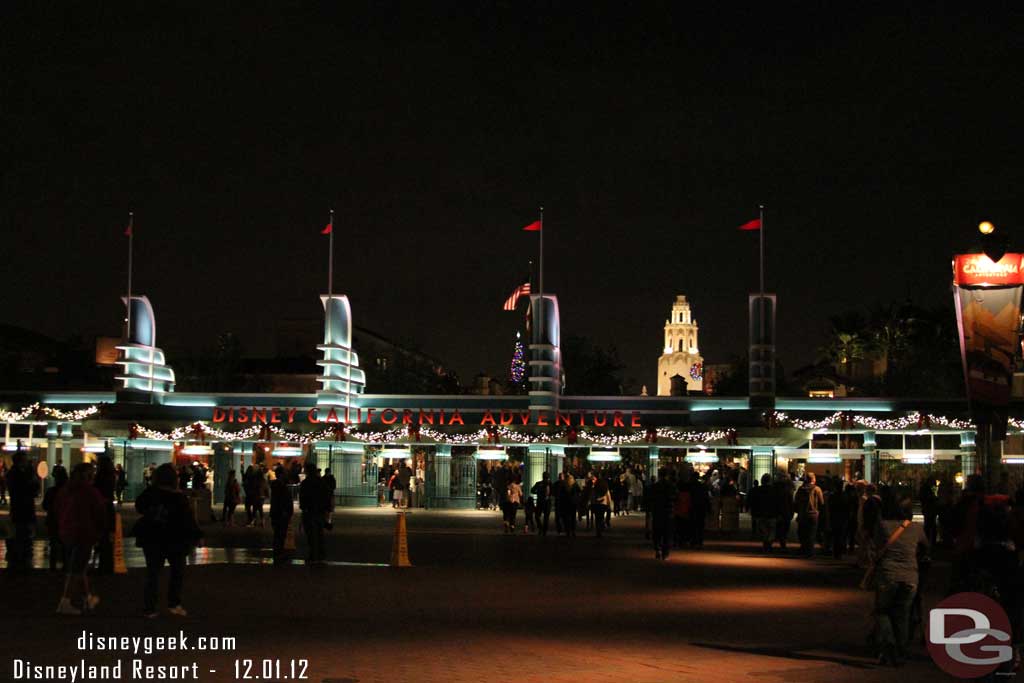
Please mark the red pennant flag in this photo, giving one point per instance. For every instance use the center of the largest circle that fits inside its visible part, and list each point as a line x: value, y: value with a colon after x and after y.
x: 328, y: 229
x: 533, y: 227
x: 752, y: 225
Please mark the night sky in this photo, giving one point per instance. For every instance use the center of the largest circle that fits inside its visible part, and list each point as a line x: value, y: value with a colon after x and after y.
x: 877, y: 142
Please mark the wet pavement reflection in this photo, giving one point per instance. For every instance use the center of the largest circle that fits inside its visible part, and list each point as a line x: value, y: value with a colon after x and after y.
x: 135, y: 559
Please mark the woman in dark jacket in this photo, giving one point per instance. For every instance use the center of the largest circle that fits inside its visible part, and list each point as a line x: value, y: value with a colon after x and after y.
x: 81, y: 523
x: 166, y: 532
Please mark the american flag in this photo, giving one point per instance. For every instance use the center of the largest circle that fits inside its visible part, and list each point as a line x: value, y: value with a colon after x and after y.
x: 513, y: 299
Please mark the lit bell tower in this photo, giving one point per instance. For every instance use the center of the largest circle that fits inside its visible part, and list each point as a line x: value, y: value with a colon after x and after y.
x: 680, y: 354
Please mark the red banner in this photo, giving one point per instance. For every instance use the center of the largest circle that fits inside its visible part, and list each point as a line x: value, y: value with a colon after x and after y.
x: 973, y: 270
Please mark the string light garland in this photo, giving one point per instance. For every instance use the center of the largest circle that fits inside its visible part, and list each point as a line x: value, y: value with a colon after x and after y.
x: 36, y: 408
x: 896, y: 423
x: 396, y: 434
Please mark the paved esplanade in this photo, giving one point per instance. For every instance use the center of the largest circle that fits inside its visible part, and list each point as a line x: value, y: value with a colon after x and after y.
x: 482, y: 606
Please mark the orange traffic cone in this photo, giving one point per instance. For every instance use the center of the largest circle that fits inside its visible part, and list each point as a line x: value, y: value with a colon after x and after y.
x: 400, y: 545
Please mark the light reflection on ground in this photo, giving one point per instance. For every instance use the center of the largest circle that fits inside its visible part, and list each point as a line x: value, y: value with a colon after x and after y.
x: 134, y: 558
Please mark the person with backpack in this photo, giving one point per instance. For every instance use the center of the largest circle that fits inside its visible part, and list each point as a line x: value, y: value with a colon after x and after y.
x: 81, y: 511
x: 808, y: 503
x: 166, y: 531
x: 543, y: 490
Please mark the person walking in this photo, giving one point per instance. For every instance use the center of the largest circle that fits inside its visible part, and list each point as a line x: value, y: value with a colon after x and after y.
x: 82, y: 522
x: 784, y: 492
x: 765, y: 508
x: 729, y: 504
x: 166, y: 531
x: 232, y: 494
x: 560, y: 492
x: 895, y: 574
x: 121, y: 483
x: 281, y: 510
x: 261, y: 488
x: 839, y: 516
x: 808, y: 503
x: 405, y: 477
x: 700, y: 503
x: 512, y: 500
x: 106, y: 483
x: 249, y: 488
x: 542, y: 509
x: 23, y: 487
x: 600, y: 503
x: 3, y: 483
x: 313, y: 503
x: 567, y: 505
x: 60, y: 479
x: 330, y: 484
x: 662, y: 498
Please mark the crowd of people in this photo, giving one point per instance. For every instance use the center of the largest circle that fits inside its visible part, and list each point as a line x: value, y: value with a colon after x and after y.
x: 870, y: 525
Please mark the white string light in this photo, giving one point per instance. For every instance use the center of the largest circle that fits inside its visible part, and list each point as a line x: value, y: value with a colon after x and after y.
x: 63, y: 415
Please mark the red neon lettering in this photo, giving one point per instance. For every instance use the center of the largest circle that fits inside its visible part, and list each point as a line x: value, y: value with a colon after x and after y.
x: 332, y: 415
x: 603, y: 419
x: 427, y: 418
x: 369, y: 415
x: 243, y: 415
x: 407, y: 417
x: 384, y: 416
x: 617, y: 420
x: 456, y: 417
x: 218, y: 415
x: 275, y: 415
x: 259, y: 414
x: 291, y: 415
x: 311, y: 416
x: 506, y: 418
x: 488, y: 418
x: 542, y: 421
x: 635, y: 420
x: 561, y: 418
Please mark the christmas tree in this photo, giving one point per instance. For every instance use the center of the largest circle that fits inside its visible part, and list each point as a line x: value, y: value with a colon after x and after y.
x: 517, y: 371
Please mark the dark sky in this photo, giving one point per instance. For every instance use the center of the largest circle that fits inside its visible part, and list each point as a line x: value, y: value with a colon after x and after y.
x: 876, y: 140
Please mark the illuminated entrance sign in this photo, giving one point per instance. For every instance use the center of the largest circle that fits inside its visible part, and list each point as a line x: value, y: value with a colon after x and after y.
x: 441, y: 417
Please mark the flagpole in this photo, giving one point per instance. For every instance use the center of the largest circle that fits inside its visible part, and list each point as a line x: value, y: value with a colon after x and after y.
x: 540, y: 281
x: 330, y: 258
x: 761, y: 240
x: 128, y: 319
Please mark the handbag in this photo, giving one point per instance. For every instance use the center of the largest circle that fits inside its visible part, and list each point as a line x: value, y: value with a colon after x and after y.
x: 867, y: 582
